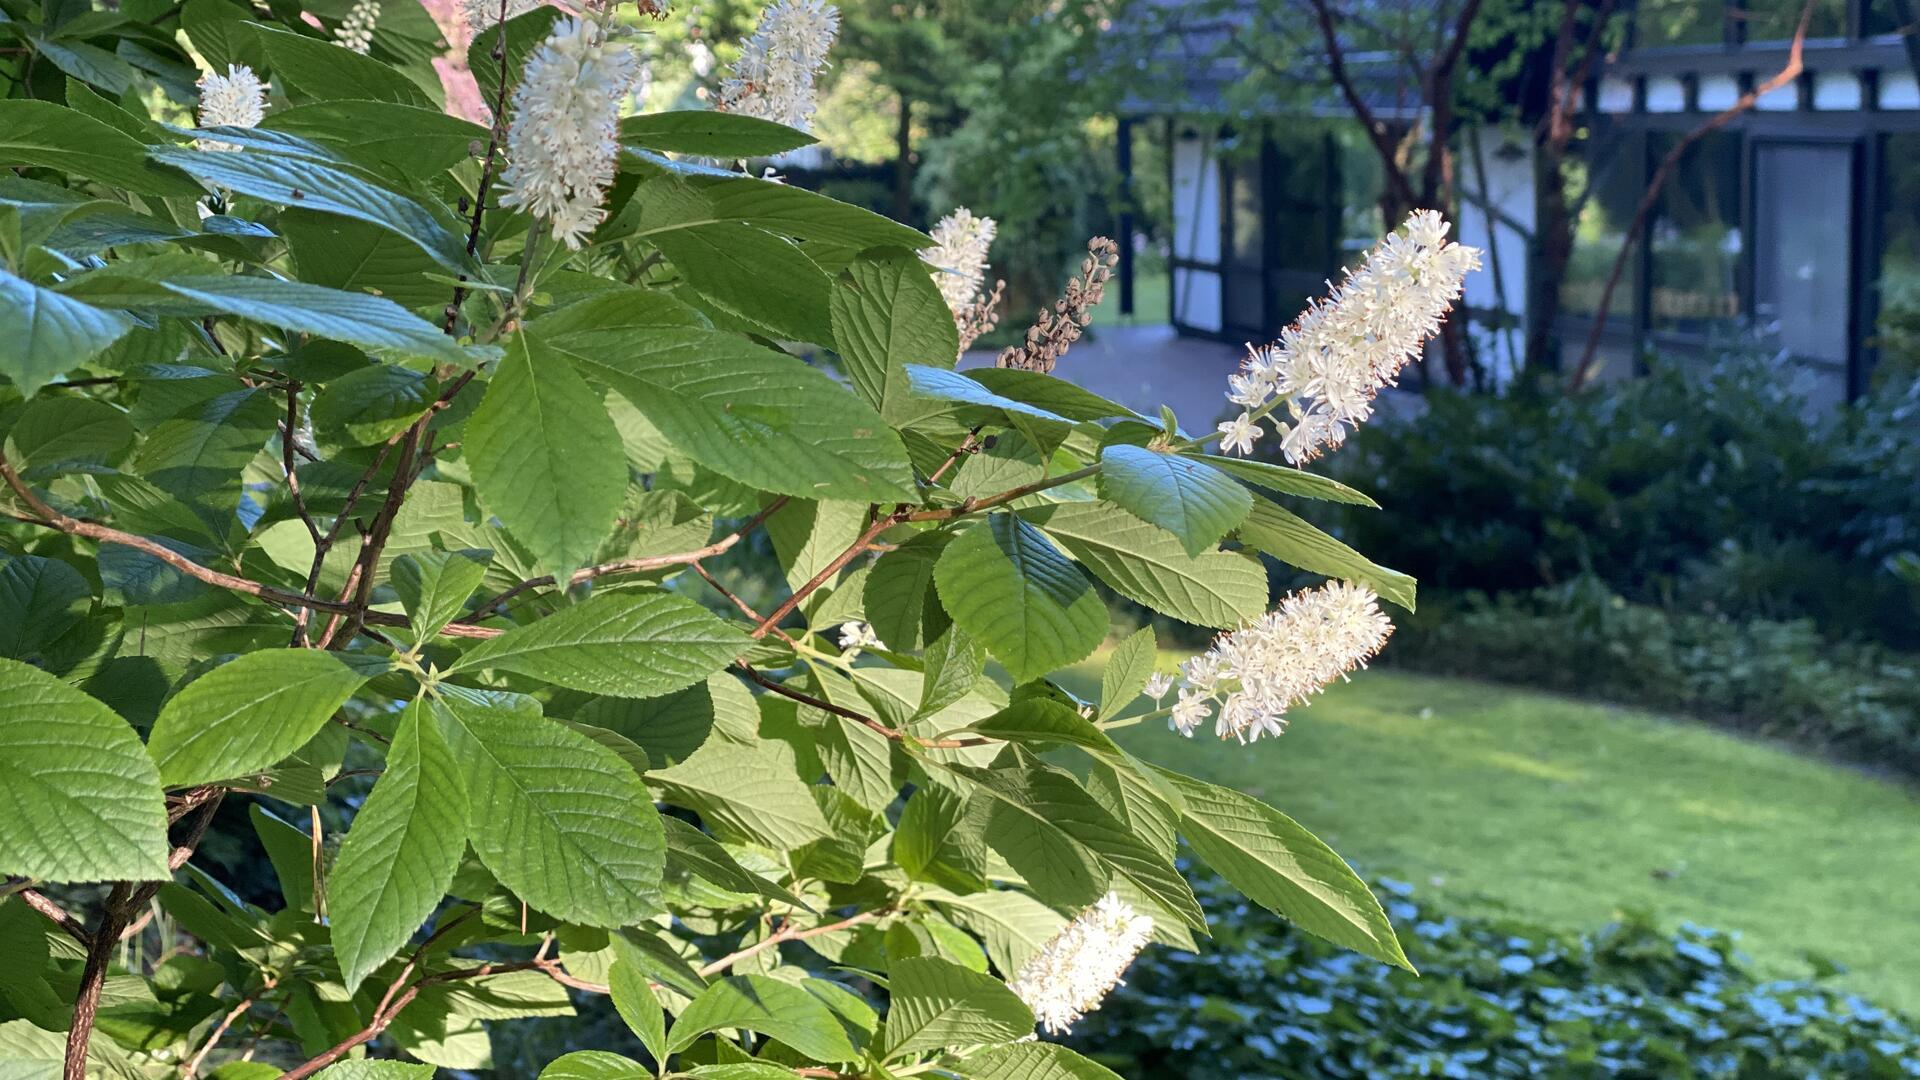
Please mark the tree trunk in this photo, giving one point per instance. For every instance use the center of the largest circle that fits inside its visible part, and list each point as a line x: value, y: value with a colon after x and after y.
x: 1549, y: 254
x: 903, y: 162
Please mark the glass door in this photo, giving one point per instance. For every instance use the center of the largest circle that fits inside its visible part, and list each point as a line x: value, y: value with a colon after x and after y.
x: 1803, y: 251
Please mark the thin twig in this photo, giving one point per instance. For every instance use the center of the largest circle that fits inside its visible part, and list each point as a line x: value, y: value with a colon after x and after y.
x: 787, y: 933
x: 57, y: 915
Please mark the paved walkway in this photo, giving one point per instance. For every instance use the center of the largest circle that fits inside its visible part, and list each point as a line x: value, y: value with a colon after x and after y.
x: 1143, y: 367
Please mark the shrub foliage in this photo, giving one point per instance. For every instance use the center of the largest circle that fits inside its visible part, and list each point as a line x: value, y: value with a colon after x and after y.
x: 334, y: 486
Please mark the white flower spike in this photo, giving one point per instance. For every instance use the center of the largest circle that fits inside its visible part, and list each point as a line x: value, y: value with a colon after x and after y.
x: 1327, y: 367
x: 774, y: 77
x: 1258, y: 672
x: 1074, y: 972
x: 356, y: 30
x: 959, y: 252
x: 236, y: 99
x: 563, y: 144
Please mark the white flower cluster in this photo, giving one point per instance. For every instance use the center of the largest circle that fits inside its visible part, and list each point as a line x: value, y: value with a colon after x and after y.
x: 480, y: 14
x: 236, y: 99
x: 1328, y: 366
x: 858, y: 635
x: 1258, y: 672
x: 959, y: 253
x: 563, y: 144
x: 773, y: 79
x: 1074, y: 971
x: 356, y: 30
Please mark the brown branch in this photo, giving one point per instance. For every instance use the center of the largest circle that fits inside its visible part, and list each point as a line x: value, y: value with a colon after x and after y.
x: 1658, y: 183
x: 57, y: 915
x: 86, y: 1004
x: 1343, y: 79
x: 826, y: 573
x: 786, y: 933
x: 633, y: 566
x: 193, y: 1064
x: 496, y: 132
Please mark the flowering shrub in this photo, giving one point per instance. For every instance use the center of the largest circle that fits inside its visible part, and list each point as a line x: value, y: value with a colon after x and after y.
x: 361, y: 463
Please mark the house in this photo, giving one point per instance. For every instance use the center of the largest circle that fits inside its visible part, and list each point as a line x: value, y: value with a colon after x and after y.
x: 1794, y: 229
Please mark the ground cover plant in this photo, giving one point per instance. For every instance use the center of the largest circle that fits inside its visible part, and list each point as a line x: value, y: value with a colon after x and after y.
x: 361, y: 464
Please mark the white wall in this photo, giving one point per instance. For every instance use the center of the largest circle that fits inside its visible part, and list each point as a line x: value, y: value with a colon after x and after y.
x: 1496, y: 216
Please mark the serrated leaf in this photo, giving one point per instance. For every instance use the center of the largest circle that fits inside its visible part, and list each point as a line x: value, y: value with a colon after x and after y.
x: 712, y: 134
x: 633, y: 999
x: 761, y: 417
x: 1194, y: 502
x: 1036, y: 1061
x: 899, y: 596
x: 1284, y: 868
x: 1012, y: 591
x: 559, y: 819
x: 641, y: 643
x: 954, y: 666
x: 1128, y: 669
x: 252, y: 712
x: 546, y: 457
x: 759, y: 278
x: 888, y: 313
x: 779, y: 1010
x: 53, y: 435
x: 370, y: 405
x: 777, y: 208
x: 1288, y: 481
x: 48, y: 334
x: 747, y: 791
x: 40, y: 599
x: 594, y: 1065
x: 401, y: 851
x: 942, y: 392
x: 376, y: 1070
x: 807, y: 536
x: 292, y: 854
x: 80, y: 800
x: 1011, y: 925
x: 691, y: 851
x: 313, y: 185
x: 1049, y: 392
x: 354, y: 255
x: 46, y: 134
x: 937, y: 1004
x: 1146, y: 564
x: 198, y: 454
x: 417, y: 140
x: 1288, y: 537
x: 308, y: 69
x: 940, y: 839
x: 372, y: 322
x: 434, y: 586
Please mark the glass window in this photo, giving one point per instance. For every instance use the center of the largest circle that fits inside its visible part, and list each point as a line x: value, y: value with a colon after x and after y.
x: 1775, y: 20
x: 1803, y: 247
x: 1694, y: 239
x: 1679, y: 22
x: 1613, y: 167
x: 1880, y: 17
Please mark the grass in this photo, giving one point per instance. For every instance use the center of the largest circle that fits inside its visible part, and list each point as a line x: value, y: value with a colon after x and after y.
x: 1567, y: 813
x: 1149, y: 302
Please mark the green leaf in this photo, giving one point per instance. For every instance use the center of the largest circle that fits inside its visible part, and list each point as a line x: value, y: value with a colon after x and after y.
x: 1127, y: 672
x: 198, y: 454
x: 48, y: 334
x: 691, y: 851
x: 1284, y: 868
x: 434, y: 586
x: 558, y: 818
x: 43, y: 133
x: 309, y: 69
x: 416, y: 140
x: 55, y: 435
x: 758, y: 416
x: 399, y: 856
x: 807, y: 536
x: 901, y: 602
x: 546, y: 457
x: 40, y: 599
x: 80, y: 799
x: 314, y: 185
x: 1049, y: 392
x: 594, y: 1065
x: 248, y: 714
x: 372, y: 322
x: 1146, y: 564
x: 954, y: 666
x: 1288, y: 537
x: 939, y: 839
x: 1011, y: 925
x: 641, y: 643
x: 353, y: 255
x: 1288, y: 481
x: 633, y: 999
x: 1035, y: 1061
x: 747, y: 791
x: 1198, y: 504
x: 937, y: 1004
x: 859, y: 760
x: 775, y: 208
x: 712, y: 134
x: 778, y: 1010
x: 521, y: 35
x: 370, y: 405
x: 757, y: 277
x: 887, y: 313
x: 220, y: 33
x: 291, y: 852
x: 1012, y: 590
x: 941, y: 392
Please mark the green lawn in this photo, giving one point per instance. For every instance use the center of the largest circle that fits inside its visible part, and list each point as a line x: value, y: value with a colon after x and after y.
x: 1149, y: 302
x: 1567, y: 812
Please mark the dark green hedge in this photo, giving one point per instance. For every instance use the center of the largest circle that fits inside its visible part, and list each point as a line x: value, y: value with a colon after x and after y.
x: 1496, y: 998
